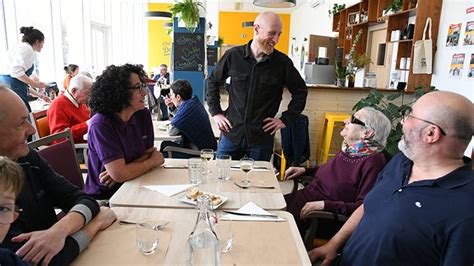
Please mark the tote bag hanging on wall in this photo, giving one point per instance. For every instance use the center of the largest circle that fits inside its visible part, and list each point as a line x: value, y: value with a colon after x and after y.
x: 423, y: 53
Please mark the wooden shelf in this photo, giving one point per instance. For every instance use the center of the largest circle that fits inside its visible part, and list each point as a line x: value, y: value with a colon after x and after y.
x: 409, y: 12
x: 406, y: 40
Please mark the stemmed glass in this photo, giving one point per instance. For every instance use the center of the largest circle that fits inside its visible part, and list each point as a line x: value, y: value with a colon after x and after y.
x: 207, y: 155
x: 246, y: 165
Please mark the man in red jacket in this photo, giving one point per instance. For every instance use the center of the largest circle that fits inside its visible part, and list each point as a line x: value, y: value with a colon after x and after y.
x: 70, y: 110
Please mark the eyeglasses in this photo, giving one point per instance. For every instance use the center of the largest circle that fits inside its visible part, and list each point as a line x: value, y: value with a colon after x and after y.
x: 426, y: 121
x: 141, y: 87
x: 356, y: 121
x: 7, y: 213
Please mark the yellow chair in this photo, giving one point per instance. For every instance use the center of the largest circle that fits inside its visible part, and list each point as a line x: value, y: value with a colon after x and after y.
x: 330, y: 119
x: 40, y: 123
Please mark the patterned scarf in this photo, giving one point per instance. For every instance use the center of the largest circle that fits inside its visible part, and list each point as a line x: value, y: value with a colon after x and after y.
x: 361, y: 148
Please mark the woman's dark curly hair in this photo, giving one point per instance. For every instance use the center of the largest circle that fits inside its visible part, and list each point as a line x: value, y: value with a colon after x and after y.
x: 111, y: 92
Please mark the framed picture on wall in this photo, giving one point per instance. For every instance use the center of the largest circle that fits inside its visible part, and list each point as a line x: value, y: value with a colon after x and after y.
x: 353, y: 18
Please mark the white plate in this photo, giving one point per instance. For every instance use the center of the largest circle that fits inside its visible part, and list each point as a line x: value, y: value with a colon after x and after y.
x: 194, y: 202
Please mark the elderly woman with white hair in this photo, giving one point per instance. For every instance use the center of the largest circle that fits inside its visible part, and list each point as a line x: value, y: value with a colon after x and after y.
x: 341, y: 184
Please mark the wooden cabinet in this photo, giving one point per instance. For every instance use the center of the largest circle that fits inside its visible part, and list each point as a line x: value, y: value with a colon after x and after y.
x: 368, y: 13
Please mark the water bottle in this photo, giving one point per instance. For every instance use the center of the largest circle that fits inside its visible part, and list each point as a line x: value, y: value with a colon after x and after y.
x: 203, y: 244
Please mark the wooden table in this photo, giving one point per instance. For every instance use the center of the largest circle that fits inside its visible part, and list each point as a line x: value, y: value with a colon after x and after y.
x: 255, y: 243
x: 132, y: 193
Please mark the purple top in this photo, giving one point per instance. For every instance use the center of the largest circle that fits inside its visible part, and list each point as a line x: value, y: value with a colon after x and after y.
x: 109, y: 139
x: 344, y: 181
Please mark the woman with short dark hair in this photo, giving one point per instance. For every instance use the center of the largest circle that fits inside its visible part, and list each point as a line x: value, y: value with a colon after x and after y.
x: 19, y: 65
x: 120, y: 136
x: 71, y: 71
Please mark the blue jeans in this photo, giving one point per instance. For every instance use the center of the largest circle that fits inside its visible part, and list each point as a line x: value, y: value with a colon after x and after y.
x: 258, y: 152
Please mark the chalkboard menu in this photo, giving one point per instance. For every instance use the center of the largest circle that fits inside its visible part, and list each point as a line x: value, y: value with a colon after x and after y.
x: 211, y: 56
x: 188, y: 51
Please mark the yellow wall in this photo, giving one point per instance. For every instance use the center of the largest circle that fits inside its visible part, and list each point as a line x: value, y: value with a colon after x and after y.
x: 159, y: 42
x: 230, y: 29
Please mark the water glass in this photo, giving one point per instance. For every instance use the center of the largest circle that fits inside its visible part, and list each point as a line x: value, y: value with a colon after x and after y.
x: 146, y: 238
x: 195, y: 169
x: 223, y: 167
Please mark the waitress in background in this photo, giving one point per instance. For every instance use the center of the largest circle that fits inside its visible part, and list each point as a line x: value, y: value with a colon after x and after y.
x: 17, y: 68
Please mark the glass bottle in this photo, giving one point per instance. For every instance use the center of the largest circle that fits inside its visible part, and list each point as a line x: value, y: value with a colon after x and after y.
x: 370, y: 80
x: 203, y: 244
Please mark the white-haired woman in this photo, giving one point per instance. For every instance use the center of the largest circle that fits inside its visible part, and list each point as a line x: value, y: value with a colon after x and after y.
x: 341, y: 184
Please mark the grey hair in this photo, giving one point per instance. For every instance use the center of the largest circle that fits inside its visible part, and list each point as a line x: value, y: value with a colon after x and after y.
x: 79, y: 81
x: 377, y: 121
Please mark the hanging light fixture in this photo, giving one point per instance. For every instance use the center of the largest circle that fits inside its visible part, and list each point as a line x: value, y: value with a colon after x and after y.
x: 275, y: 3
x: 247, y: 24
x: 158, y: 15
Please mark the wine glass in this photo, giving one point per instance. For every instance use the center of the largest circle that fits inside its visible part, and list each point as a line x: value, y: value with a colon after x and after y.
x: 207, y: 155
x: 246, y: 165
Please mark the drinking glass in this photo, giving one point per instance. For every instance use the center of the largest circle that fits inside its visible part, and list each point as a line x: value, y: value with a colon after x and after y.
x: 146, y: 237
x: 195, y: 168
x: 223, y: 166
x: 207, y: 155
x: 246, y: 165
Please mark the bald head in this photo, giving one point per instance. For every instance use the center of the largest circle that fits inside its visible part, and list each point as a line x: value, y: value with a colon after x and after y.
x: 267, y: 30
x: 452, y: 111
x: 267, y: 18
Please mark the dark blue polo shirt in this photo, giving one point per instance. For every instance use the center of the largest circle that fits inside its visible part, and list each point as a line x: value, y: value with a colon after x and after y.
x: 429, y: 222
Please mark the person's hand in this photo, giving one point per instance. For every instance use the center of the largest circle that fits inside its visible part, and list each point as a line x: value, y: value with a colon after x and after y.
x: 168, y: 101
x: 156, y: 158
x: 40, y: 245
x: 272, y: 125
x: 106, y: 179
x: 311, y: 206
x: 293, y: 172
x: 105, y: 217
x: 45, y: 98
x: 327, y: 253
x: 222, y: 123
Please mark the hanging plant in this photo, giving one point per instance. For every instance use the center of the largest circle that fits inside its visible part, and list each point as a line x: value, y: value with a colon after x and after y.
x: 188, y: 12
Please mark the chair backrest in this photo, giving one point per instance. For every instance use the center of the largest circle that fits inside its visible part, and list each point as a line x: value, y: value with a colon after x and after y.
x: 61, y: 156
x: 40, y: 123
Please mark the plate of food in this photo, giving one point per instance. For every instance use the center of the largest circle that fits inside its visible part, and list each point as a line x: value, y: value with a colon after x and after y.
x: 194, y: 193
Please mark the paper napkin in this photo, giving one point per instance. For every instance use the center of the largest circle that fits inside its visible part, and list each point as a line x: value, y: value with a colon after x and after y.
x: 252, y: 208
x: 170, y: 190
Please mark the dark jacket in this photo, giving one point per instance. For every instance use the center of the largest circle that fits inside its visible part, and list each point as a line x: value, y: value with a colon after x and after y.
x: 255, y: 92
x: 42, y: 191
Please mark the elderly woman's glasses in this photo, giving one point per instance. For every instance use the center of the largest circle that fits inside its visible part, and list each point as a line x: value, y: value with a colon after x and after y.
x: 142, y: 87
x: 356, y: 121
x: 7, y: 213
x: 426, y: 121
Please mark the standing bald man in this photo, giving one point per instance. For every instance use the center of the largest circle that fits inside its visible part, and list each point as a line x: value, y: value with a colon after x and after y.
x: 258, y: 74
x: 420, y: 211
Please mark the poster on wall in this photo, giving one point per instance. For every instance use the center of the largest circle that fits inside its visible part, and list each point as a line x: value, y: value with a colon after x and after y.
x: 457, y: 63
x: 454, y: 32
x: 469, y: 38
x: 470, y: 73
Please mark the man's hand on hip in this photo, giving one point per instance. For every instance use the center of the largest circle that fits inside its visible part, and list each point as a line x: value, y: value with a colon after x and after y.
x: 222, y: 122
x: 272, y: 125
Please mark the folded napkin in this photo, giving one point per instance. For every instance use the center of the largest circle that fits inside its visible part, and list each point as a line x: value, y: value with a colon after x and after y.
x: 170, y: 190
x: 251, y: 208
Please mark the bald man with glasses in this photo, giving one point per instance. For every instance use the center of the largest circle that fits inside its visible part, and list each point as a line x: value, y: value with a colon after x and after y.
x: 420, y: 211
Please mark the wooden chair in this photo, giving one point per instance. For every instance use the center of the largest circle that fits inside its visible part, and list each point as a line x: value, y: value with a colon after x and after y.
x: 61, y: 156
x: 39, y: 121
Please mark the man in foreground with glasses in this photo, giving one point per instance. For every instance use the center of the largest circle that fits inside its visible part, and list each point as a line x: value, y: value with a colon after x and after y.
x: 121, y: 136
x: 420, y: 211
x: 37, y: 236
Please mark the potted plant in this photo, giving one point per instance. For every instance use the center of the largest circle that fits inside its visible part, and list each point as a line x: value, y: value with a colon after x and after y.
x: 394, y: 112
x: 188, y: 12
x: 335, y: 9
x: 352, y: 64
x: 340, y: 75
x: 394, y: 7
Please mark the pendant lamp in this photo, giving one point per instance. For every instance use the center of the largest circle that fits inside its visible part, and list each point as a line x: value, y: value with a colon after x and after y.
x: 275, y: 3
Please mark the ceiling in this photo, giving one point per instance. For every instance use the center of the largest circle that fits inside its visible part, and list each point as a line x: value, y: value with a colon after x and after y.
x: 248, y: 6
